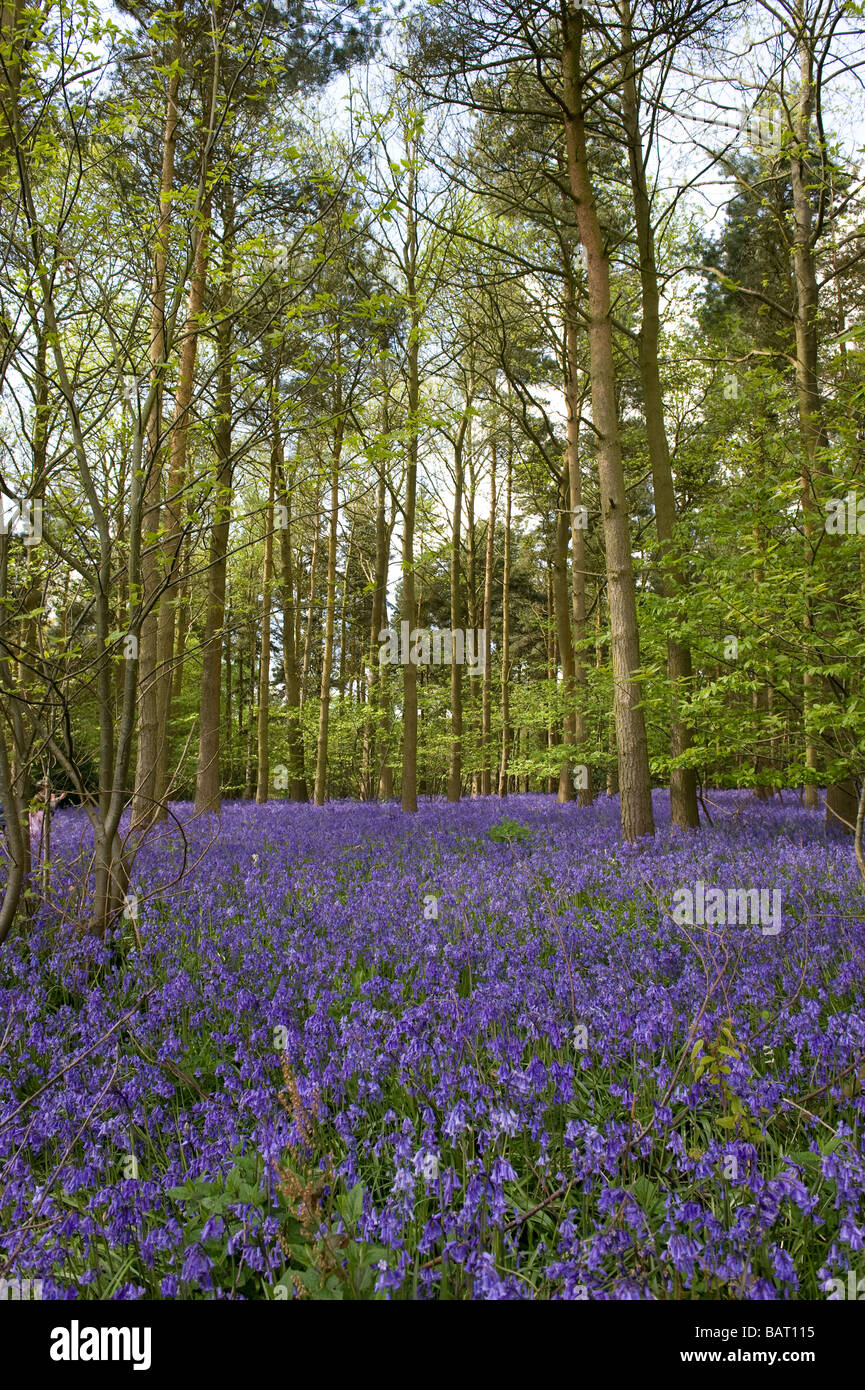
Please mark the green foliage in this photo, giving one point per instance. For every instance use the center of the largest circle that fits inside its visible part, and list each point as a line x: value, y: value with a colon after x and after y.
x: 324, y: 1260
x: 509, y: 832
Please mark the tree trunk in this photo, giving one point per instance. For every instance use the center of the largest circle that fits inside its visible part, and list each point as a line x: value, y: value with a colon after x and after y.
x: 172, y: 544
x: 145, y: 797
x: 841, y: 798
x: 631, y: 741
x: 207, y: 783
x: 455, y: 768
x: 585, y: 793
x: 294, y: 729
x: 310, y: 612
x: 13, y: 805
x: 409, y: 740
x: 506, y: 632
x: 330, y: 611
x: 486, y: 772
x: 262, y: 790
x: 683, y: 780
x: 375, y: 687
x: 562, y: 608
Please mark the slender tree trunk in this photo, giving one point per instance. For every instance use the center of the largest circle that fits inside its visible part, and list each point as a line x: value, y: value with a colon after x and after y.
x: 172, y: 545
x: 562, y: 607
x: 409, y: 741
x: 229, y: 698
x: 13, y: 34
x: 375, y: 688
x: 310, y: 612
x: 841, y: 798
x: 471, y: 603
x: 547, y: 739
x: 181, y: 625
x: 13, y: 805
x: 385, y: 769
x: 506, y: 630
x: 585, y: 794
x: 631, y: 740
x: 262, y: 790
x: 208, y: 795
x: 683, y: 780
x: 455, y: 769
x: 249, y: 778
x: 145, y: 797
x: 486, y: 773
x: 330, y: 612
x: 294, y: 730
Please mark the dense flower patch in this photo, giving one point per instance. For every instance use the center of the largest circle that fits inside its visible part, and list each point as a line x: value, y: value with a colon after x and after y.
x: 362, y: 1054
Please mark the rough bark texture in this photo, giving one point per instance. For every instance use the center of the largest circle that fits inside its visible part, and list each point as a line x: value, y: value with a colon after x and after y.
x: 841, y: 798
x: 506, y: 631
x: 144, y: 801
x: 683, y: 780
x: 585, y: 795
x: 330, y: 609
x: 262, y: 787
x: 631, y: 742
x: 294, y: 733
x: 562, y: 606
x: 486, y: 772
x: 172, y: 542
x: 207, y: 782
x: 455, y: 766
x: 409, y: 715
x: 371, y: 773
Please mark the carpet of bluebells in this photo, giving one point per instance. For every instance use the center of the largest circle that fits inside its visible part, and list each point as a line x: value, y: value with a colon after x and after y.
x: 342, y: 1052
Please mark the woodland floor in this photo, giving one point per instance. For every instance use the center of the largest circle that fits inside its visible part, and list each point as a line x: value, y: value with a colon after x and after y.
x: 463, y: 1054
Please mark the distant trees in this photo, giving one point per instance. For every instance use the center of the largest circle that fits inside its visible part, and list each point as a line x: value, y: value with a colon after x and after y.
x: 454, y: 349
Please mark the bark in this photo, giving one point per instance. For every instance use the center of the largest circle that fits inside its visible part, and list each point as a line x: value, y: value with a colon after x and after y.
x: 385, y: 766
x: 471, y: 603
x: 173, y: 526
x: 330, y: 609
x: 811, y: 426
x: 262, y: 790
x: 585, y: 795
x: 181, y: 626
x: 12, y: 39
x: 313, y: 567
x: 375, y: 689
x: 229, y: 699
x: 208, y: 796
x: 248, y: 780
x: 631, y: 741
x: 343, y: 645
x: 841, y: 798
x: 506, y: 630
x: 294, y: 731
x: 486, y: 772
x: 683, y: 780
x: 144, y: 801
x: 562, y: 607
x: 409, y: 743
x: 455, y: 767
x: 13, y: 805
